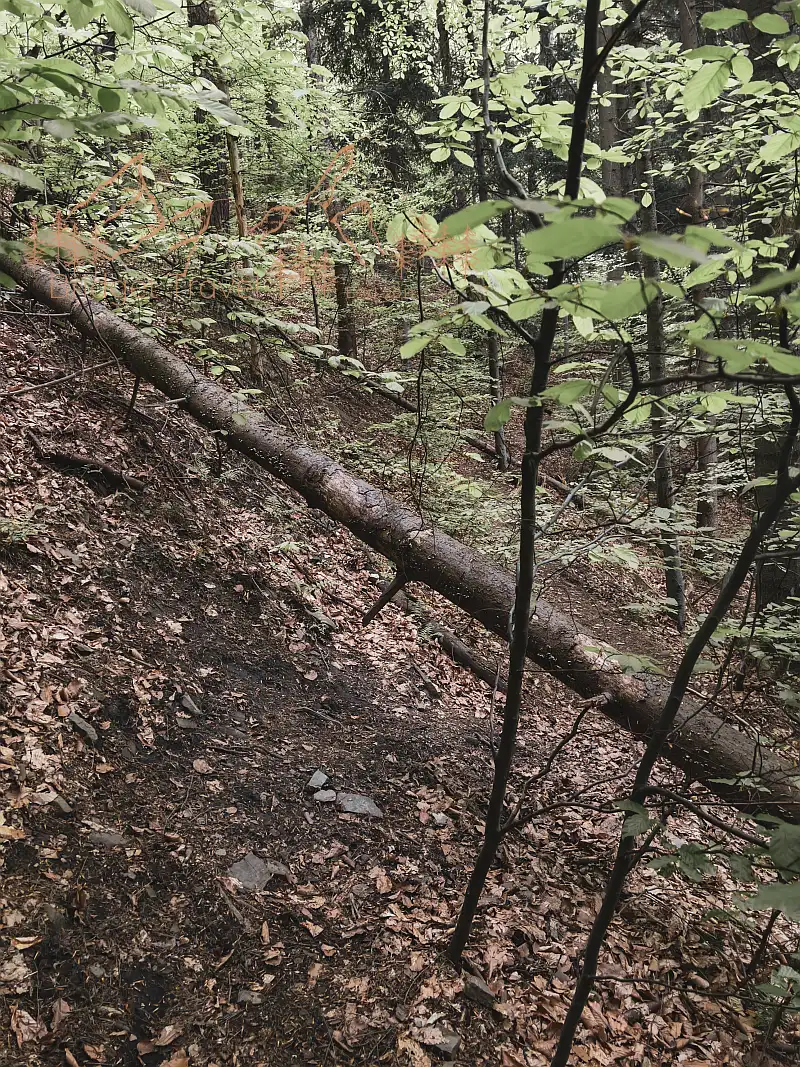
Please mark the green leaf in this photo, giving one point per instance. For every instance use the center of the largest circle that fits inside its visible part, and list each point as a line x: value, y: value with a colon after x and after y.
x: 639, y: 822
x: 704, y: 87
x: 570, y: 239
x: 470, y: 217
x: 416, y: 344
x: 776, y: 896
x: 109, y: 99
x: 618, y: 302
x: 568, y: 392
x: 706, y: 272
x: 723, y: 19
x: 118, y: 18
x: 21, y: 177
x: 144, y: 7
x: 737, y: 355
x: 7, y: 281
x: 776, y: 280
x: 742, y: 68
x: 63, y: 129
x: 784, y: 848
x: 783, y: 362
x: 452, y: 344
x: 462, y: 157
x: 779, y: 146
x: 497, y: 416
x: 218, y: 107
x: 440, y: 154
x: 769, y: 23
x: 671, y: 250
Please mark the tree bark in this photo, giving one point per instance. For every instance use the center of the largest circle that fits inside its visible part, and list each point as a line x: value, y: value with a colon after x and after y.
x: 346, y: 326
x: 700, y: 742
x: 662, y: 460
x: 212, y: 141
x: 706, y: 447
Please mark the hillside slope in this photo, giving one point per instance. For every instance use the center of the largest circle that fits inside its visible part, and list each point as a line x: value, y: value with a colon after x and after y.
x: 177, y: 665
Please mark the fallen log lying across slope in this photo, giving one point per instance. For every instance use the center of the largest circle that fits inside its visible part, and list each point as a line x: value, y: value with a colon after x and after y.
x: 711, y: 750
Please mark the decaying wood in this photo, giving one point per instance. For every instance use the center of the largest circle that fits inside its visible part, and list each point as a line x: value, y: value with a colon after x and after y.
x: 710, y: 749
x: 100, y: 475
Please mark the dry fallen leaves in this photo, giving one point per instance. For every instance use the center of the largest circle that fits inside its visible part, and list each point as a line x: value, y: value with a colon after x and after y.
x: 168, y: 1035
x: 26, y: 1028
x: 179, y: 1058
x: 60, y: 1009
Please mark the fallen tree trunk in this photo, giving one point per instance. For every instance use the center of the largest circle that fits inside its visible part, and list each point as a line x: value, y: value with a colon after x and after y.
x: 701, y: 743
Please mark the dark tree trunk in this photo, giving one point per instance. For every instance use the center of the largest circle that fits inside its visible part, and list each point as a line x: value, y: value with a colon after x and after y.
x: 212, y: 147
x: 662, y: 461
x: 346, y: 327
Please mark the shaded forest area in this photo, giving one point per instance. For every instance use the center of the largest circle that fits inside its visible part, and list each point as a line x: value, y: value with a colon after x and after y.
x: 399, y: 533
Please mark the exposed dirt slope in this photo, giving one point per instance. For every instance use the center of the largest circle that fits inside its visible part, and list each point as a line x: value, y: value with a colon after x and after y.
x: 127, y: 941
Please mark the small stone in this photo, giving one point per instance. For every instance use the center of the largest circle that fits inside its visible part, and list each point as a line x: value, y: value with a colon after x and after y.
x: 107, y: 838
x: 183, y: 722
x: 247, y: 996
x: 440, y: 818
x: 56, y: 917
x: 81, y: 724
x: 254, y: 873
x: 325, y: 796
x: 356, y: 804
x: 442, y: 1038
x: 476, y: 989
x: 61, y: 806
x: 189, y: 705
x: 318, y: 780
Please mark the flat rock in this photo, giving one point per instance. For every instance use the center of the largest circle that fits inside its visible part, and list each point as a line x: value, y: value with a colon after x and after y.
x: 442, y: 1038
x: 189, y: 705
x: 318, y: 780
x: 81, y: 724
x: 247, y: 996
x: 477, y: 990
x: 254, y: 873
x: 107, y: 838
x: 325, y: 796
x: 356, y: 804
x: 61, y: 806
x: 183, y: 722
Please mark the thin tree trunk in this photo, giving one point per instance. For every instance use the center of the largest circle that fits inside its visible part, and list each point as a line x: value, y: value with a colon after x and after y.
x: 526, y: 564
x: 492, y: 347
x: 700, y: 742
x: 662, y: 461
x: 706, y: 446
x: 346, y: 327
x: 212, y: 150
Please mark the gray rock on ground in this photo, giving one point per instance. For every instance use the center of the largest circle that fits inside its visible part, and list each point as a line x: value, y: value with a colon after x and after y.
x: 254, y: 873
x: 325, y: 796
x: 356, y: 804
x: 318, y: 780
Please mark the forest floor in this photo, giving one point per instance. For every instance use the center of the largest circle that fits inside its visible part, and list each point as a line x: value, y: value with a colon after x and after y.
x: 177, y: 666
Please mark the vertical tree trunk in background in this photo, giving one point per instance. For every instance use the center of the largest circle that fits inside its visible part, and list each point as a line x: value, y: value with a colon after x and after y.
x: 607, y: 121
x: 443, y: 37
x: 777, y: 576
x: 492, y: 348
x: 344, y: 313
x: 662, y: 461
x: 706, y: 446
x: 212, y: 149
